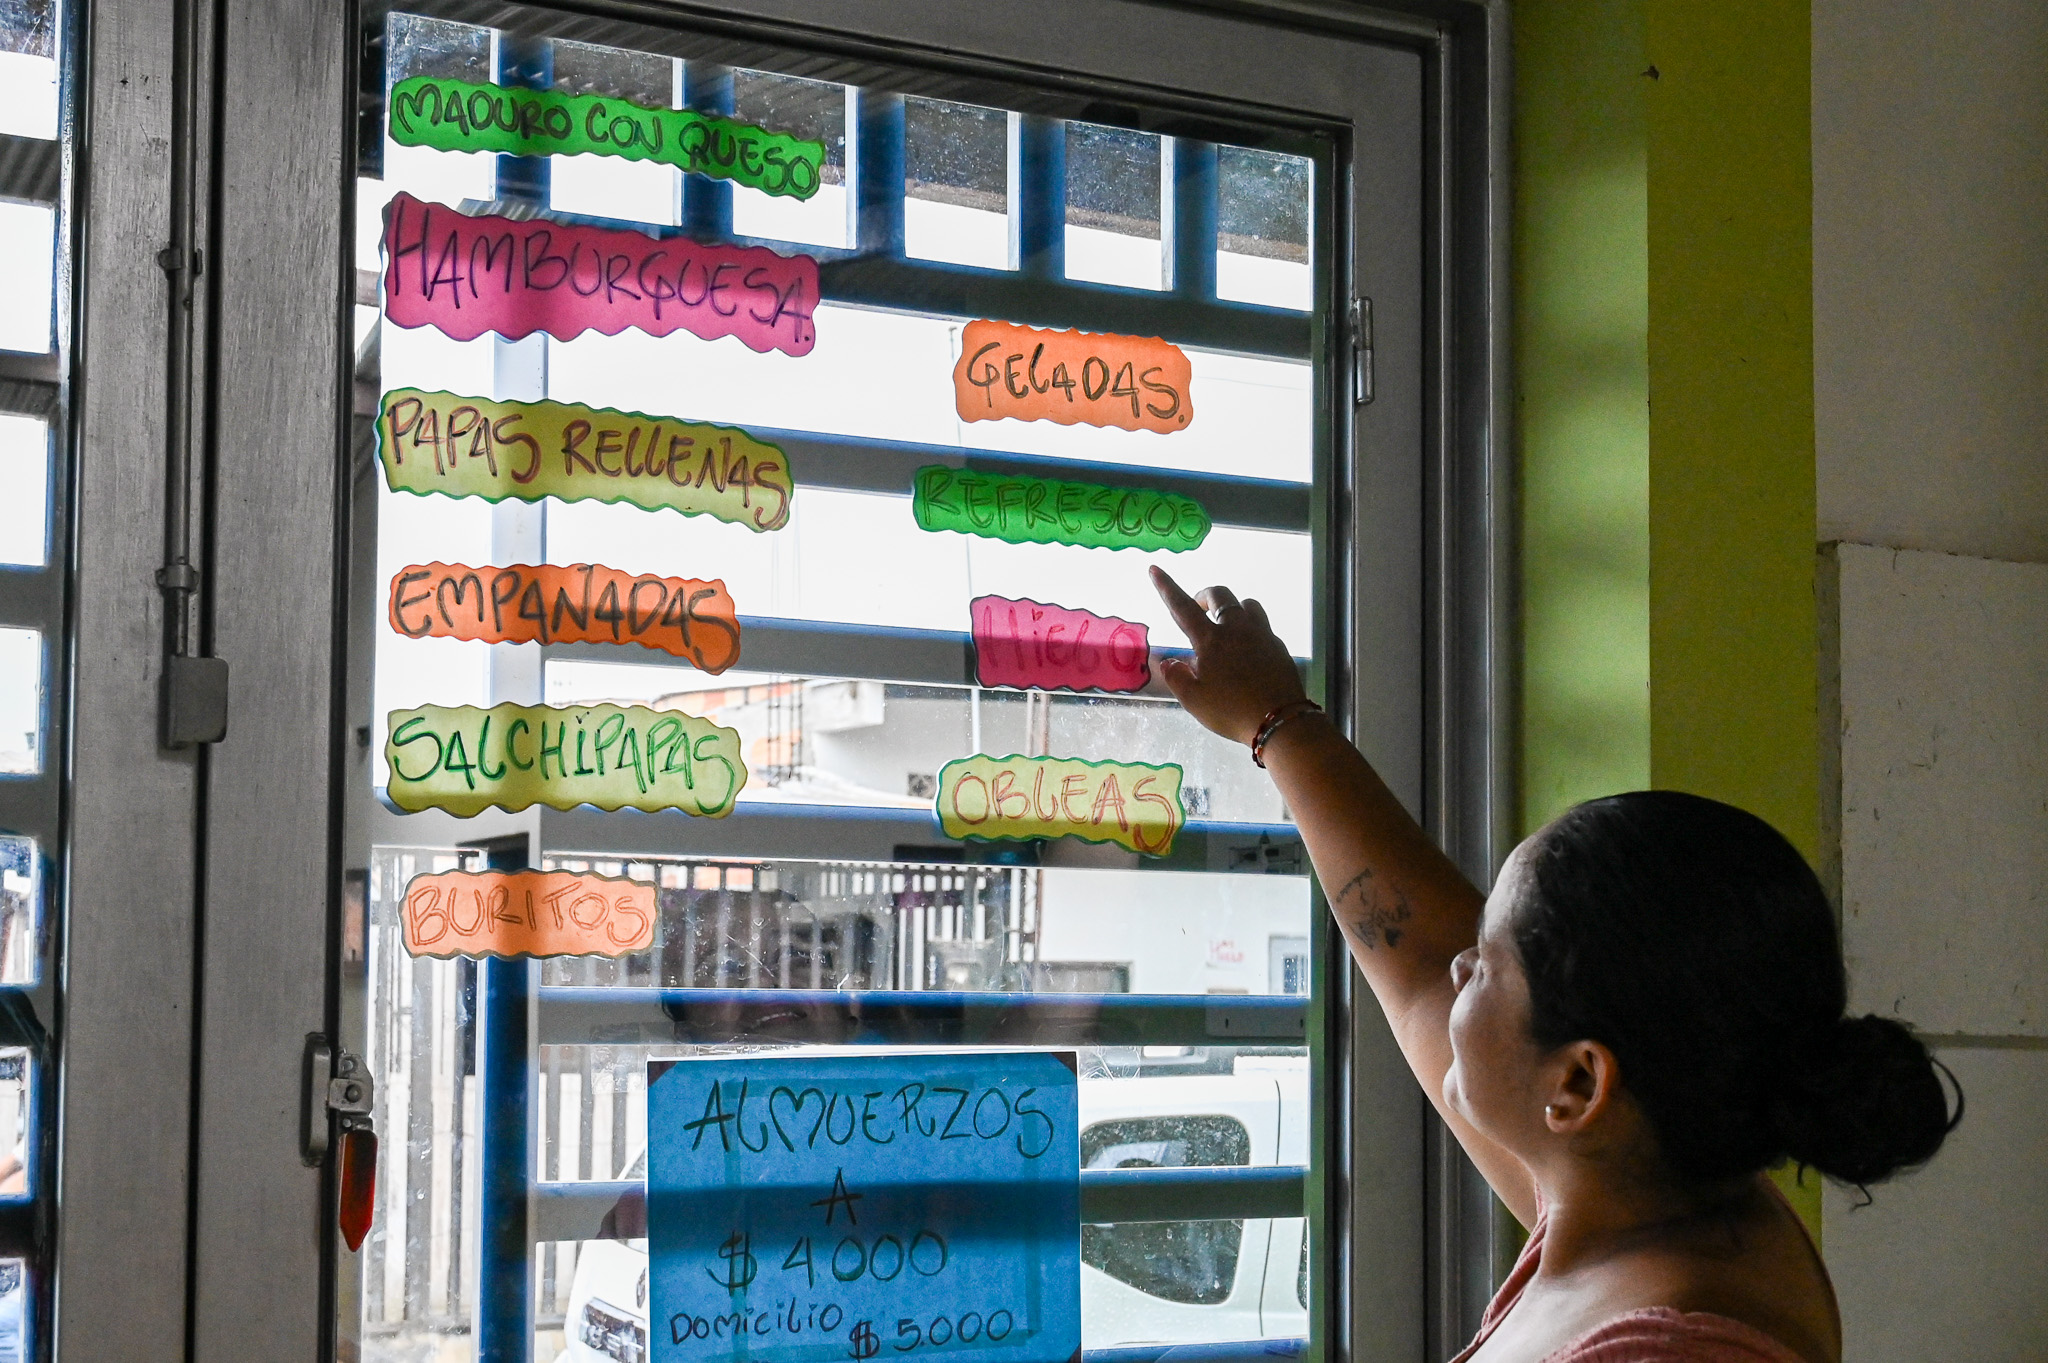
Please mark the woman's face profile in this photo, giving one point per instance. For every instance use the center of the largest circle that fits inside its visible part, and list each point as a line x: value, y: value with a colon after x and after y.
x: 1493, y: 1079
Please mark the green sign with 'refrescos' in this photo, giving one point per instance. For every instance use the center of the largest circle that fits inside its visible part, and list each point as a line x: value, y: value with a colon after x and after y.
x: 464, y: 759
x: 1021, y: 509
x: 454, y: 115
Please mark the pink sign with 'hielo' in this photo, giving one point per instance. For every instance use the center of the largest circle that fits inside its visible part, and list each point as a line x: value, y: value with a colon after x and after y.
x: 1056, y: 648
x: 468, y: 275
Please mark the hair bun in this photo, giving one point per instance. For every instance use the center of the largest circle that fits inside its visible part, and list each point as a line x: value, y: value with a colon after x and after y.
x: 1862, y: 1100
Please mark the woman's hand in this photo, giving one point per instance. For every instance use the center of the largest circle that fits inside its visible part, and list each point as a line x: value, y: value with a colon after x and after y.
x: 1241, y: 673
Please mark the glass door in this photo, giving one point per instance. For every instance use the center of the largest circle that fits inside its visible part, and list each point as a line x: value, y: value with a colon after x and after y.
x: 759, y: 439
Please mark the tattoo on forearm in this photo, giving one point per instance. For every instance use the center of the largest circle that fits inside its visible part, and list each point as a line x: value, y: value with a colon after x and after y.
x: 1375, y: 909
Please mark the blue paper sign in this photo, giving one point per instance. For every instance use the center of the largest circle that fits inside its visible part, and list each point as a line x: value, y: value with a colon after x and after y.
x: 817, y: 1208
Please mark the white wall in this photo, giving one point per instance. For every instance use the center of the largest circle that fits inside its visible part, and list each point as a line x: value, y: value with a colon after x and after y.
x: 1930, y: 274
x: 1930, y: 240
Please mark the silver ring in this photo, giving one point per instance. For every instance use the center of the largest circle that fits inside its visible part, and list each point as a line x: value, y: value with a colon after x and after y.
x: 1216, y: 614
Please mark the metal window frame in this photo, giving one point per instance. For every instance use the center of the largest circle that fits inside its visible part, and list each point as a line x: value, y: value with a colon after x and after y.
x: 203, y: 907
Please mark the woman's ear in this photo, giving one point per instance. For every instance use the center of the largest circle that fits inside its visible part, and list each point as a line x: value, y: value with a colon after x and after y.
x: 1585, y: 1085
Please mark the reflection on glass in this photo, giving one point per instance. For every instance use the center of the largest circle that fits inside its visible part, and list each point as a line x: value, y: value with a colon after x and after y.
x: 729, y: 924
x: 21, y: 701
x: 24, y: 490
x: 1262, y: 227
x: 956, y: 183
x: 21, y: 907
x: 810, y: 109
x: 833, y: 741
x: 611, y: 186
x: 1113, y: 192
x: 16, y: 1115
x: 14, y: 1338
x: 419, y: 46
x: 923, y: 581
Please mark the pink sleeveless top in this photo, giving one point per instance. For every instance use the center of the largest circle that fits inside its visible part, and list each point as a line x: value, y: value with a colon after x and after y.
x: 1656, y: 1335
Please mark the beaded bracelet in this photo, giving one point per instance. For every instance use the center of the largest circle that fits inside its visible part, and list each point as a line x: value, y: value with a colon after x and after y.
x: 1276, y: 717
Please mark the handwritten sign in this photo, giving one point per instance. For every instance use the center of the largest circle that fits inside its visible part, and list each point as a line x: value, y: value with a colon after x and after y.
x: 810, y: 1209
x: 471, y: 275
x: 475, y: 447
x: 527, y: 913
x: 1025, y: 510
x: 1139, y: 383
x: 1133, y: 804
x: 454, y: 115
x: 1056, y: 648
x: 464, y: 759
x: 581, y: 603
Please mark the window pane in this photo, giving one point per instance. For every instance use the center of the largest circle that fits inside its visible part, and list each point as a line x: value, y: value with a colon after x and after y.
x: 16, y: 1122
x: 792, y: 902
x: 810, y: 109
x: 418, y: 46
x: 956, y: 183
x: 21, y: 912
x: 28, y: 243
x: 21, y: 702
x: 24, y: 490
x: 1113, y: 187
x: 612, y: 186
x: 1262, y: 226
x: 28, y: 69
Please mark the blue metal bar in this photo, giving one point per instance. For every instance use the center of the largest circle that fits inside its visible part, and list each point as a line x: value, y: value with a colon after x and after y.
x: 506, y: 1107
x: 890, y: 1017
x: 707, y: 203
x: 878, y: 173
x: 529, y: 64
x: 1194, y: 218
x: 617, y: 1209
x: 1240, y: 1351
x: 1038, y: 198
x: 767, y: 830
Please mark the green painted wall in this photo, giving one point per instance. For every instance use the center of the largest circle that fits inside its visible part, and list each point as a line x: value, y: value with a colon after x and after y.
x: 1733, y: 642
x: 1582, y: 404
x: 1664, y: 364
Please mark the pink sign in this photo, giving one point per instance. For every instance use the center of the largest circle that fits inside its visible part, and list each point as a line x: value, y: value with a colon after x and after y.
x: 1055, y: 648
x: 470, y: 275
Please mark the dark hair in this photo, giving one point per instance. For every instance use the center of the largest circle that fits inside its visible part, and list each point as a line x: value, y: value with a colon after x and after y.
x: 1693, y: 941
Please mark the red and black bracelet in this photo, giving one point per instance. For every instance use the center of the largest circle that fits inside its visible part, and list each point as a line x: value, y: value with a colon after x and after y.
x: 1276, y: 717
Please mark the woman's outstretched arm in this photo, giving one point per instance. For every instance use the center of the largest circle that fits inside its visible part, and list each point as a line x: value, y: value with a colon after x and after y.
x: 1405, y: 909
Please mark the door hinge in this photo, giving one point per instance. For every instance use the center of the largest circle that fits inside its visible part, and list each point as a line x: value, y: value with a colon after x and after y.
x: 340, y: 1095
x: 1361, y: 351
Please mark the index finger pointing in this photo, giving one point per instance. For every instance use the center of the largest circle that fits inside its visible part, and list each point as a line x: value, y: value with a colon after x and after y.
x: 1194, y: 622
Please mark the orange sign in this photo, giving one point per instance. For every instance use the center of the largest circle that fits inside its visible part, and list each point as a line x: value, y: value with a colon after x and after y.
x: 1139, y: 383
x: 584, y: 603
x: 527, y: 913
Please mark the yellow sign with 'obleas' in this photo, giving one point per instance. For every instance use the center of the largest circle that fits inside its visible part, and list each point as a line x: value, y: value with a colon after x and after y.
x: 1133, y: 804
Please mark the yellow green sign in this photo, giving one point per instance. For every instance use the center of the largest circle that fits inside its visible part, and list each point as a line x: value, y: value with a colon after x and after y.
x: 1134, y: 804
x: 464, y: 759
x: 477, y: 447
x: 455, y: 115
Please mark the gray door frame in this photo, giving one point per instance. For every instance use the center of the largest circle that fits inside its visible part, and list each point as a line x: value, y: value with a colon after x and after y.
x: 202, y: 915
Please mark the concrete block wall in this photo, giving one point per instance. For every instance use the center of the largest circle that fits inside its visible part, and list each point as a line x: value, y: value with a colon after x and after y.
x: 1930, y: 268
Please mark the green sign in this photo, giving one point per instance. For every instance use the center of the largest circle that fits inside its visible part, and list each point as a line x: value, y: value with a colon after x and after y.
x: 1025, y: 510
x: 464, y: 759
x: 454, y: 115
